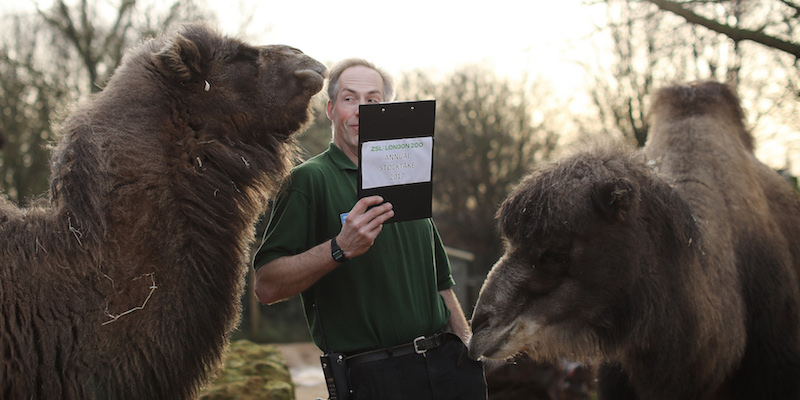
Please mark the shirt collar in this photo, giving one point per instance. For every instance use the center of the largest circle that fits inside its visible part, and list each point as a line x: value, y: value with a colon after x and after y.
x: 341, y: 160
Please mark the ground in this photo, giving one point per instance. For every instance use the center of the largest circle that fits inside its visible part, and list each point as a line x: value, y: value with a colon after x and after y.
x: 304, y: 366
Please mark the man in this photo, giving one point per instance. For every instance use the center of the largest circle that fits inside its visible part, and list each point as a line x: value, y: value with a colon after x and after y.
x: 379, y: 293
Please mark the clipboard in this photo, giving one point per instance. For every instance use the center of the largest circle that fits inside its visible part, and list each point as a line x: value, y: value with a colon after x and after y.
x: 395, y: 154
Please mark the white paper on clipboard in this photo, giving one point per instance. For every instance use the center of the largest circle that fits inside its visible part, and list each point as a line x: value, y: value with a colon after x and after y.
x: 396, y: 162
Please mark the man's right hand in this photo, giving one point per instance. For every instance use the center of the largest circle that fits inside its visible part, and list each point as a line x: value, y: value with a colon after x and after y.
x: 362, y: 225
x: 287, y: 276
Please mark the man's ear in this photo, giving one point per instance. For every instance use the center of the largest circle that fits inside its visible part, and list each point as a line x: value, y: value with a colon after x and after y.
x: 329, y: 110
x: 180, y: 59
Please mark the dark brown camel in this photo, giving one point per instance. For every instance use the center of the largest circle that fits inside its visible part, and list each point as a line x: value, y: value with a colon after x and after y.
x: 675, y: 268
x: 125, y: 282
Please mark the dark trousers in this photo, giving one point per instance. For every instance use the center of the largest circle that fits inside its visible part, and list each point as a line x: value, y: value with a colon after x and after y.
x: 443, y: 373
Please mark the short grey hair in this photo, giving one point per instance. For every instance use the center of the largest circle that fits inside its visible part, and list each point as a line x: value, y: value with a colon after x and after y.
x: 337, y: 69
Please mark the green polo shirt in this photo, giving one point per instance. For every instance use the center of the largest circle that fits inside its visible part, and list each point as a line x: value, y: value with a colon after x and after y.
x: 385, y: 297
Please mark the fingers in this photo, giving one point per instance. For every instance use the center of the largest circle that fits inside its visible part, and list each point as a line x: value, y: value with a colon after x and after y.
x: 363, y: 225
x: 370, y: 218
x: 366, y: 202
x: 367, y: 221
x: 379, y: 214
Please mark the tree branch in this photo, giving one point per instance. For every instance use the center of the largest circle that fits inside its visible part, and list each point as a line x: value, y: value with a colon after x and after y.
x: 736, y: 34
x: 794, y: 6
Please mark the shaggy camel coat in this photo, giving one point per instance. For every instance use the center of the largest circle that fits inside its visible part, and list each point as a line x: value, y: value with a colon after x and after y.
x: 126, y: 281
x: 674, y: 268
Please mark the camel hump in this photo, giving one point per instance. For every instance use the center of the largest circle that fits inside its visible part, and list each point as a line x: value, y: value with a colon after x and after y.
x: 702, y: 99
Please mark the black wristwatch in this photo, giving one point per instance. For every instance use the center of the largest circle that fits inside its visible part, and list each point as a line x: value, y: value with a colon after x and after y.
x: 336, y: 252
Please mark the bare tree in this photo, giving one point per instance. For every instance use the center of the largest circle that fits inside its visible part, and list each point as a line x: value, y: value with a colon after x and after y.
x: 316, y: 138
x: 620, y: 100
x: 650, y: 49
x: 653, y: 48
x: 55, y: 56
x: 770, y: 78
x: 29, y: 97
x: 775, y: 33
x: 100, y: 42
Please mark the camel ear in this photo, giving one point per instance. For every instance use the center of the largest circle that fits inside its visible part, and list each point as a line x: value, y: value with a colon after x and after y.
x: 180, y: 59
x: 615, y: 197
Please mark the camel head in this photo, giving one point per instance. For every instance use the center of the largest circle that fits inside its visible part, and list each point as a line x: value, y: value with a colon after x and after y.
x: 567, y: 228
x: 257, y: 89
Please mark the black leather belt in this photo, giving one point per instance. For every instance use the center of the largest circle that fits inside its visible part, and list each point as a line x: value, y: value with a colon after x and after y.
x: 420, y: 345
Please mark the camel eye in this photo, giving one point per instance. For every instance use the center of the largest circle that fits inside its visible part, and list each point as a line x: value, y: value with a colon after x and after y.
x: 553, y: 257
x: 548, y: 271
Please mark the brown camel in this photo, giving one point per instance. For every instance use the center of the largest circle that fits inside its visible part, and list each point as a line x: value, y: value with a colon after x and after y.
x: 675, y: 268
x: 125, y: 282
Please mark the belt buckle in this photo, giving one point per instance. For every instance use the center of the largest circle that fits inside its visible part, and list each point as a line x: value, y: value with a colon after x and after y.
x: 416, y: 345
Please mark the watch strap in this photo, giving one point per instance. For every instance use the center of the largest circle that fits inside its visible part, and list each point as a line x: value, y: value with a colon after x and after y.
x: 336, y: 252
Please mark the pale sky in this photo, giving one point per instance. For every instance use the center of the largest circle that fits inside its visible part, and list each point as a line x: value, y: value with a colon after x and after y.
x: 540, y: 38
x: 533, y: 38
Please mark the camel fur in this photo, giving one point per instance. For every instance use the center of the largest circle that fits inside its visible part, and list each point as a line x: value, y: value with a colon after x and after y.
x: 675, y: 268
x: 126, y: 280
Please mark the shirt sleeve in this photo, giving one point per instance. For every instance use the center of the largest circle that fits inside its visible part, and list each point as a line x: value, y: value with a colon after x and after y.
x: 287, y: 232
x: 444, y: 274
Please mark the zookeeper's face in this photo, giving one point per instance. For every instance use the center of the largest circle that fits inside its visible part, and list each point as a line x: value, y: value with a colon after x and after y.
x: 357, y: 85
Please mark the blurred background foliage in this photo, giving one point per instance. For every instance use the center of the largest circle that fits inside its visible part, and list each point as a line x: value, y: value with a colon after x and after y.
x: 491, y: 130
